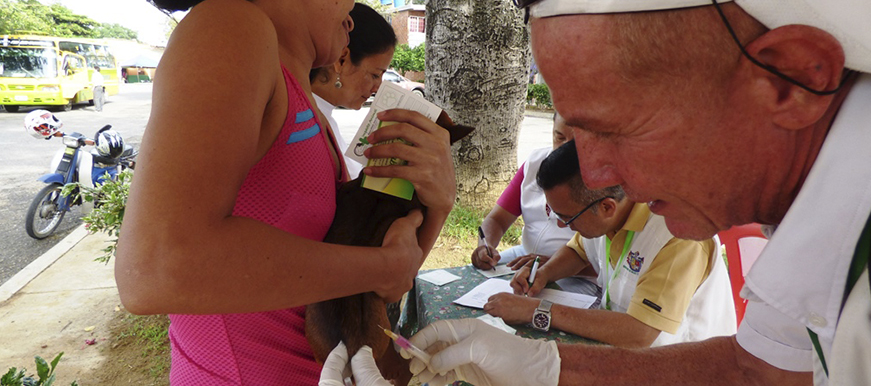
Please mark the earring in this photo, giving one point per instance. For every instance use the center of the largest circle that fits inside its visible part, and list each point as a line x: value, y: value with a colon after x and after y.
x: 338, y: 83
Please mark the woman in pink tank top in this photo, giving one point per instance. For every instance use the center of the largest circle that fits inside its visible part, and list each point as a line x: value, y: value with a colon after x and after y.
x: 235, y: 189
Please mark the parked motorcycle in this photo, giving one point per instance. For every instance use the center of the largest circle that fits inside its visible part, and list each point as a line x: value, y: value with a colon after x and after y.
x: 71, y: 165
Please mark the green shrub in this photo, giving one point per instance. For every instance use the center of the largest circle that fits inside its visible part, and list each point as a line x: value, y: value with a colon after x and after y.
x: 110, y: 200
x: 539, y: 95
x: 44, y: 372
x: 407, y: 59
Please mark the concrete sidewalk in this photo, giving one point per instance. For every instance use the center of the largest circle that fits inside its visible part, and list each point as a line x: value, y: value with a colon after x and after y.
x: 57, y: 303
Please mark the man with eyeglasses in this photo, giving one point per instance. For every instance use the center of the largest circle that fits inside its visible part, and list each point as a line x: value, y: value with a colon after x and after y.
x: 716, y: 115
x: 658, y: 289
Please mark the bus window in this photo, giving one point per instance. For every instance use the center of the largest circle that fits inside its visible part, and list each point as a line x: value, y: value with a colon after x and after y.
x: 28, y: 62
x: 73, y: 64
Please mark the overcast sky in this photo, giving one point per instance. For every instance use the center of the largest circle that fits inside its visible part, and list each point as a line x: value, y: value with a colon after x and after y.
x: 137, y: 15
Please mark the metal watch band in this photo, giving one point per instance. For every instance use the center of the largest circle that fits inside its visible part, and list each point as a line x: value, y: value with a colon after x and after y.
x: 545, y: 305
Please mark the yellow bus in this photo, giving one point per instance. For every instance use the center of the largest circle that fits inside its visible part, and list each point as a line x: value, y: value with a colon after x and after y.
x: 53, y: 71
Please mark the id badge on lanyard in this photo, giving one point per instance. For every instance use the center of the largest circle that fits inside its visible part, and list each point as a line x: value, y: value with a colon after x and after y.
x: 609, y: 278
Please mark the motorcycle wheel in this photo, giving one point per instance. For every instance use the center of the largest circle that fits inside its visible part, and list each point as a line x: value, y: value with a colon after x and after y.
x: 44, y: 216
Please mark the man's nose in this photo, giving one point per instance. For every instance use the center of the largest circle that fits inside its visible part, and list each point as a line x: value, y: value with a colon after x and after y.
x: 595, y: 158
x: 349, y: 23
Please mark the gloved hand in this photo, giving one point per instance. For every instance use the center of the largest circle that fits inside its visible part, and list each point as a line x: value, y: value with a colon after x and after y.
x: 363, y: 367
x: 473, y: 351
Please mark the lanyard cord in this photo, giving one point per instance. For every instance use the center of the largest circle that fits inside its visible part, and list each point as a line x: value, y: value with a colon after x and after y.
x: 609, y: 278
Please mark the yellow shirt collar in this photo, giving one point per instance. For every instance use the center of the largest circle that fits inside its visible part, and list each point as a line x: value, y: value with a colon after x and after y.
x: 637, y: 217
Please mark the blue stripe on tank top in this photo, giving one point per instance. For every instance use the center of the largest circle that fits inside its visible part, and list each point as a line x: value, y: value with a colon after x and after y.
x: 303, y: 135
x: 303, y: 116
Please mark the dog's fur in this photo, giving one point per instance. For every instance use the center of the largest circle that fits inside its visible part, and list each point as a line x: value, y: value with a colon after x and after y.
x: 362, y: 218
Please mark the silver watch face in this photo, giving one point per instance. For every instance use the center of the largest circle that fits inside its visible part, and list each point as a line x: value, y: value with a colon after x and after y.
x: 541, y: 321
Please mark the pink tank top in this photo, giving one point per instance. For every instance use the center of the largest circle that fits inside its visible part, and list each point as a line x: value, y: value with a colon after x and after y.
x: 293, y: 187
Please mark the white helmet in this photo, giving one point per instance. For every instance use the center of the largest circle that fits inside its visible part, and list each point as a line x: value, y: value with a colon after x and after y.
x: 109, y: 143
x: 41, y: 124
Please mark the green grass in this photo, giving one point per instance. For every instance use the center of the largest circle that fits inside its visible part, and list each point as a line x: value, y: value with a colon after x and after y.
x: 459, y: 237
x: 463, y: 224
x: 150, y: 334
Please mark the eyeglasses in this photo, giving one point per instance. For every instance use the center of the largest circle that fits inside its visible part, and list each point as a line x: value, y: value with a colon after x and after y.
x: 569, y: 221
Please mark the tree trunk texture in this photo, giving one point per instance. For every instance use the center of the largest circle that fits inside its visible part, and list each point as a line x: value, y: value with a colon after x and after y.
x: 477, y: 64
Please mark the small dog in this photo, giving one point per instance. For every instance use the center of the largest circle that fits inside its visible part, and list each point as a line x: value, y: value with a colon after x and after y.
x: 362, y: 218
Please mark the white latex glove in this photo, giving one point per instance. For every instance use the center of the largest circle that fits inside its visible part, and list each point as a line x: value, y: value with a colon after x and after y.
x: 363, y: 367
x: 473, y: 351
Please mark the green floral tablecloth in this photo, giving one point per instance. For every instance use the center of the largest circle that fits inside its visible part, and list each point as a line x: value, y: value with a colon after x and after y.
x: 428, y: 303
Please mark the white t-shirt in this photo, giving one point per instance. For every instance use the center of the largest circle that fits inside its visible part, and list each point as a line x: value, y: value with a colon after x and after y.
x: 326, y: 108
x: 97, y: 78
x: 798, y: 281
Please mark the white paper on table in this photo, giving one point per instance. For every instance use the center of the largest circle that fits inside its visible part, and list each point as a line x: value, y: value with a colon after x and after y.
x: 500, y: 270
x: 389, y: 96
x: 439, y: 277
x: 477, y: 297
x: 570, y: 299
x: 497, y: 322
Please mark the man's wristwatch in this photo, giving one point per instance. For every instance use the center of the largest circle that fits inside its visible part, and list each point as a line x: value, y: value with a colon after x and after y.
x: 541, y: 316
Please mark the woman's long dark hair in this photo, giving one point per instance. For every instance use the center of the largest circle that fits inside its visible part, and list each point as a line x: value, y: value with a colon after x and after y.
x: 371, y: 35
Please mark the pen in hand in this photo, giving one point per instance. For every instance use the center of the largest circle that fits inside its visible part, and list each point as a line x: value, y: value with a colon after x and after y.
x: 534, y: 270
x: 486, y: 245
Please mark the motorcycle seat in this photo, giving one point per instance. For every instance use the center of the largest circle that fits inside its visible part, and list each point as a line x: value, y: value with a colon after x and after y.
x: 104, y: 161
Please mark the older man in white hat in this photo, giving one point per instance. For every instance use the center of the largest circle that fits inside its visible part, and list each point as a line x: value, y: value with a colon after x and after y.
x: 716, y: 115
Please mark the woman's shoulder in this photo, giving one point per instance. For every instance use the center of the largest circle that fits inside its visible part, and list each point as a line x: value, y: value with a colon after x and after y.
x: 233, y: 19
x: 230, y: 7
x: 218, y: 33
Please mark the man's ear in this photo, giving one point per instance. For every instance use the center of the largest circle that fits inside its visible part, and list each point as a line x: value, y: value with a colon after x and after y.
x: 607, y: 208
x: 807, y: 54
x: 339, y: 65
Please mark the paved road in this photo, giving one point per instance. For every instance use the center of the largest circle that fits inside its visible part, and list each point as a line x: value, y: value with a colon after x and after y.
x: 23, y: 159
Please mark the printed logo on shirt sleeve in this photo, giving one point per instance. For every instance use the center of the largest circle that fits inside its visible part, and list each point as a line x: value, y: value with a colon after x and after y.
x: 652, y: 305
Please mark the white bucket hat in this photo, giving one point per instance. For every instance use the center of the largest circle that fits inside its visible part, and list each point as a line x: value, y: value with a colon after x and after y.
x: 849, y: 21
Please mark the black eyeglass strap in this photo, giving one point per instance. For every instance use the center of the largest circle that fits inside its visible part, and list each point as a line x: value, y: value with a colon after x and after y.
x: 524, y: 5
x: 773, y: 70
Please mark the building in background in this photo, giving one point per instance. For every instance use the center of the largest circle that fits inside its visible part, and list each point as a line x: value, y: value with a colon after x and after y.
x: 408, y: 21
